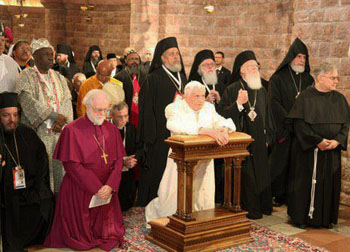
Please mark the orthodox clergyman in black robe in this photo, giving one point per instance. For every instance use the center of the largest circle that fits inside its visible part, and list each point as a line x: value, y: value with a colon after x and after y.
x: 320, y: 118
x: 245, y: 102
x: 291, y: 77
x: 26, y: 198
x: 65, y: 63
x: 93, y: 56
x: 203, y: 71
x: 165, y: 83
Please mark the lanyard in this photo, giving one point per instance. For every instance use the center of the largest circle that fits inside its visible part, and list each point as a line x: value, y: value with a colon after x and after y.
x: 93, y: 66
x: 13, y: 158
x: 178, y: 81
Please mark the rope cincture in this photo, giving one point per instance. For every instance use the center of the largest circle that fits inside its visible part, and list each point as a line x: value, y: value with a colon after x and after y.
x: 313, y: 185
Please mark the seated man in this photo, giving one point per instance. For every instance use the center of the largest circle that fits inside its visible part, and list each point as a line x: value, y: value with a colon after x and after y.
x: 192, y: 116
x: 92, y: 154
x: 26, y: 201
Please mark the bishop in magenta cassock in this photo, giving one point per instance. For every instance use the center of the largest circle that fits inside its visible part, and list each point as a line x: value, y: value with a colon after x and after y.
x: 92, y: 153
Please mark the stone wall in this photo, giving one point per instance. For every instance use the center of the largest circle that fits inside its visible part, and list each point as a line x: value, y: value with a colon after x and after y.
x: 266, y: 26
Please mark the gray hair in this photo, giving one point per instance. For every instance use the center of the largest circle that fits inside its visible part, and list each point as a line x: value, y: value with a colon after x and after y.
x: 120, y: 106
x: 323, y: 68
x: 90, y: 96
x: 81, y: 75
x: 192, y: 85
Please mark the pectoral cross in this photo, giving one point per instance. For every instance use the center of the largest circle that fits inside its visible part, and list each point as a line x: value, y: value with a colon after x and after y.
x: 104, y: 156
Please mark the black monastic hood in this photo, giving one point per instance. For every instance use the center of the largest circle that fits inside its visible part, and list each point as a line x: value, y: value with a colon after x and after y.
x: 161, y: 47
x: 241, y: 58
x: 297, y: 47
x: 198, y: 59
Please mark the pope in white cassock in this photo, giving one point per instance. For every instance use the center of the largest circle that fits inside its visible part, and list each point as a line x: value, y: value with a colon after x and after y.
x: 190, y: 116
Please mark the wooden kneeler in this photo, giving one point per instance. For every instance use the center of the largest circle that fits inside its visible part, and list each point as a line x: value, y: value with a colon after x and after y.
x: 211, y: 229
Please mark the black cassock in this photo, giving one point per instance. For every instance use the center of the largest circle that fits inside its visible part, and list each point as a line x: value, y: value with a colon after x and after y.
x: 157, y: 92
x: 256, y: 190
x: 127, y: 187
x: 282, y: 93
x: 26, y: 213
x: 314, y: 116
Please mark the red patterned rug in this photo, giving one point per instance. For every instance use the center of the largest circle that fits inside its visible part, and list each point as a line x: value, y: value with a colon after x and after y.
x: 265, y: 239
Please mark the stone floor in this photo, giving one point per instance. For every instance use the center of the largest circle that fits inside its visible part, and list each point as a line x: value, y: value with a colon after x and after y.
x: 336, y: 239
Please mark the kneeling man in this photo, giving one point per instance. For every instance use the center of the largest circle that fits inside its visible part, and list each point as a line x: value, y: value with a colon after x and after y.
x: 190, y: 116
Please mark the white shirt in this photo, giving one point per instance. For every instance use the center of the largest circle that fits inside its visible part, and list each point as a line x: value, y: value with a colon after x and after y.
x: 8, y: 73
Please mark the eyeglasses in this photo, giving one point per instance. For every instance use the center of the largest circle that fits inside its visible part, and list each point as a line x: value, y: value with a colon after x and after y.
x: 99, y: 110
x: 332, y: 78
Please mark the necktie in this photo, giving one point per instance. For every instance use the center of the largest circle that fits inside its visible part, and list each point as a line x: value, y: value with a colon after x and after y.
x: 134, y: 117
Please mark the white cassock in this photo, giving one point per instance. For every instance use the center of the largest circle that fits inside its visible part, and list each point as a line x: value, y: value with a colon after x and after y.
x: 182, y: 120
x: 8, y: 73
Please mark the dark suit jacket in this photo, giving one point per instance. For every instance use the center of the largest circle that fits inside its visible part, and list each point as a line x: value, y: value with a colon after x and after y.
x: 127, y: 187
x: 224, y: 76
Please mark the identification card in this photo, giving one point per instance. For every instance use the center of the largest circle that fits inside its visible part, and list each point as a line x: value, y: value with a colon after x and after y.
x: 19, y: 180
x: 178, y: 97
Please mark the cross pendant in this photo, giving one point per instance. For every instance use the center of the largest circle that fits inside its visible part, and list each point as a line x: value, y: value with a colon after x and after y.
x: 104, y: 156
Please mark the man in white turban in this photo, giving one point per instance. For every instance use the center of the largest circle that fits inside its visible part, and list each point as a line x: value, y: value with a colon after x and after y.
x: 46, y: 102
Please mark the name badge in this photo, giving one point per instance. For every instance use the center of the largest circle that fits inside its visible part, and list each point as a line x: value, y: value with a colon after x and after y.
x: 177, y: 97
x: 19, y: 181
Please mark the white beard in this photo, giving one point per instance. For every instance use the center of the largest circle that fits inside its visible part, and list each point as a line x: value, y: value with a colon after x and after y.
x: 177, y: 67
x: 253, y: 81
x: 297, y: 68
x: 210, y: 78
x: 94, y: 120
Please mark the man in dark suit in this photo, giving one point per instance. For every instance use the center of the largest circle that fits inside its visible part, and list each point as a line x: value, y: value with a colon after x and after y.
x: 127, y: 188
x: 224, y: 75
x: 133, y: 79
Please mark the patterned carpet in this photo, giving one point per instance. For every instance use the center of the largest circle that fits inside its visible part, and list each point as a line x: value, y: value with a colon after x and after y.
x: 265, y: 239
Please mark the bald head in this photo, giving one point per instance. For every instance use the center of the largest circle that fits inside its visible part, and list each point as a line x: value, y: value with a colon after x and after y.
x: 104, y: 70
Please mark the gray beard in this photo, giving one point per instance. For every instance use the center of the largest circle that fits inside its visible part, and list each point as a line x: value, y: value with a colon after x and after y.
x: 94, y: 120
x: 210, y: 79
x: 134, y: 69
x: 297, y: 69
x: 253, y: 82
x: 175, y: 68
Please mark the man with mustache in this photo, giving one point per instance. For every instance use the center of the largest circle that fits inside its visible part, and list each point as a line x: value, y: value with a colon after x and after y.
x: 133, y: 79
x: 92, y: 153
x: 290, y: 79
x: 26, y: 199
x: 165, y: 82
x: 46, y: 102
x: 245, y: 102
x: 93, y: 56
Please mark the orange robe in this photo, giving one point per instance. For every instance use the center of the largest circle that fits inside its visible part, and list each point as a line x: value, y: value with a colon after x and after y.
x: 89, y: 84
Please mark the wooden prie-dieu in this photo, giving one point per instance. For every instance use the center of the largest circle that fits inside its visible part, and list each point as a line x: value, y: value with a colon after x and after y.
x: 210, y: 229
